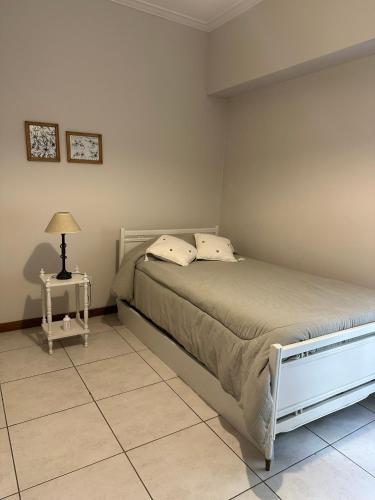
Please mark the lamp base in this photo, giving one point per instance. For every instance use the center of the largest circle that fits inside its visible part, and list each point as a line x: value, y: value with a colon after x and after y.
x: 64, y: 275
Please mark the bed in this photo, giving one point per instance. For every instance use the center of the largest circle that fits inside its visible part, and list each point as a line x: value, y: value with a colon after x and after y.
x: 269, y: 348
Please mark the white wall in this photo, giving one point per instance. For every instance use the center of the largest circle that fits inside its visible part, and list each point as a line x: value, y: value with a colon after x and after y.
x: 92, y: 65
x: 282, y: 36
x: 299, y: 182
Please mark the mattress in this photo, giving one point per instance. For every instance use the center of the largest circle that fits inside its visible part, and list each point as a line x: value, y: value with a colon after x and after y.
x: 228, y: 314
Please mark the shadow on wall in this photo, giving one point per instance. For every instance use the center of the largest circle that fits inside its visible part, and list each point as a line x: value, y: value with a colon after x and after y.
x: 44, y: 255
x: 33, y: 307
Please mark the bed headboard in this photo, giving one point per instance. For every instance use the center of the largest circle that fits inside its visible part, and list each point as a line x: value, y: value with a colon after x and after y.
x: 130, y: 239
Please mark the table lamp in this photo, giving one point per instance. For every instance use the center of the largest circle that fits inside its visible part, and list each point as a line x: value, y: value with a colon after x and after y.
x: 63, y: 223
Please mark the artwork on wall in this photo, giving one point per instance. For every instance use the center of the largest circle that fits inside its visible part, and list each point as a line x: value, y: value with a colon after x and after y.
x: 42, y: 141
x: 84, y: 147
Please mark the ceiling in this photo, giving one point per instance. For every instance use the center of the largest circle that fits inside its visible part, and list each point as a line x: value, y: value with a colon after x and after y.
x: 205, y: 15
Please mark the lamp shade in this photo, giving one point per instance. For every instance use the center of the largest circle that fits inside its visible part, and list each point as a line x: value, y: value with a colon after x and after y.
x: 63, y: 223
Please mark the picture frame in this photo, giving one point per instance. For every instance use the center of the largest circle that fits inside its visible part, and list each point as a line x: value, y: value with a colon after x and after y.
x: 84, y: 147
x: 42, y: 141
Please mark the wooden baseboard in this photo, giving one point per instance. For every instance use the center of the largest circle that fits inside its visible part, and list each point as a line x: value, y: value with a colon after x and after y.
x: 27, y: 323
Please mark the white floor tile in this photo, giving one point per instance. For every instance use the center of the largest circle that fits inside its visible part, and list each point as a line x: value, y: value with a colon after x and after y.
x: 191, y: 464
x: 29, y: 361
x: 72, y: 450
x: 339, y: 424
x: 130, y: 338
x: 192, y: 399
x: 102, y: 345
x: 140, y: 416
x: 8, y: 483
x: 110, y: 479
x: 43, y: 394
x: 260, y: 492
x: 60, y: 443
x: 290, y: 447
x: 328, y: 475
x: 157, y: 364
x: 112, y: 319
x: 116, y: 375
x: 21, y: 338
x: 360, y: 447
x: 99, y: 324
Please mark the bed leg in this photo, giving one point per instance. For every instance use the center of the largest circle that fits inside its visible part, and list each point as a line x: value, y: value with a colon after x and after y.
x: 268, y: 455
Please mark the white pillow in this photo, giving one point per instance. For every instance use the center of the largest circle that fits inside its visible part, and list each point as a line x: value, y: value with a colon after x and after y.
x: 172, y: 249
x: 212, y: 247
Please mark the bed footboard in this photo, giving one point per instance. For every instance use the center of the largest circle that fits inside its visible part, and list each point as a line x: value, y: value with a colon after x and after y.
x: 316, y: 377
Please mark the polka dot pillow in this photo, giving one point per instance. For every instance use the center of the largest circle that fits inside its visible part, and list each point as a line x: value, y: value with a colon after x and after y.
x: 172, y: 249
x: 211, y: 247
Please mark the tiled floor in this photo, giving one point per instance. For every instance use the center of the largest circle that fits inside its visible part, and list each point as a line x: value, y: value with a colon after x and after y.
x: 114, y: 422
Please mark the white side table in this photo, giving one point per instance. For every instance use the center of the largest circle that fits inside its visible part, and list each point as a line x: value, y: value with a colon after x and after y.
x: 54, y: 329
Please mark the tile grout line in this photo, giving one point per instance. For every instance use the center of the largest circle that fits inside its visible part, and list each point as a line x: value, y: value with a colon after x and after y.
x: 39, y: 344
x: 36, y: 375
x: 231, y: 449
x: 343, y: 437
x: 92, y: 398
x: 67, y: 367
x: 20, y: 348
x: 130, y: 390
x: 292, y: 465
x: 101, y: 359
x: 68, y: 473
x: 261, y: 480
x: 187, y: 404
x: 82, y: 404
x: 346, y: 456
x: 317, y: 435
x: 153, y: 440
x: 162, y: 437
x: 41, y: 339
x: 114, y: 435
x: 329, y: 445
x: 369, y: 409
x: 205, y: 422
x: 163, y: 379
x: 280, y: 471
x: 201, y: 421
x: 182, y: 399
x: 52, y: 413
x: 10, y: 442
x: 249, y: 489
x: 119, y: 334
x: 7, y: 427
x: 36, y: 418
x: 355, y: 463
x: 352, y: 432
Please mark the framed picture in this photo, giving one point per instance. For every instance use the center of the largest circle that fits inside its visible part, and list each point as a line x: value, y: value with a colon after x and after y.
x: 83, y: 147
x: 42, y: 141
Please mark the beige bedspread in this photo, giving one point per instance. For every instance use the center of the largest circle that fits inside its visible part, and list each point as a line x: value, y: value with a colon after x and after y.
x: 228, y: 314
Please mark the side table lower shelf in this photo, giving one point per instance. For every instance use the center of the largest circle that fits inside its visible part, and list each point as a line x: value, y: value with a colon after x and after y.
x: 55, y: 331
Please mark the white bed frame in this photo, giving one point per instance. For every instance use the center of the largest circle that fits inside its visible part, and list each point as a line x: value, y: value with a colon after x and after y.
x: 306, y: 384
